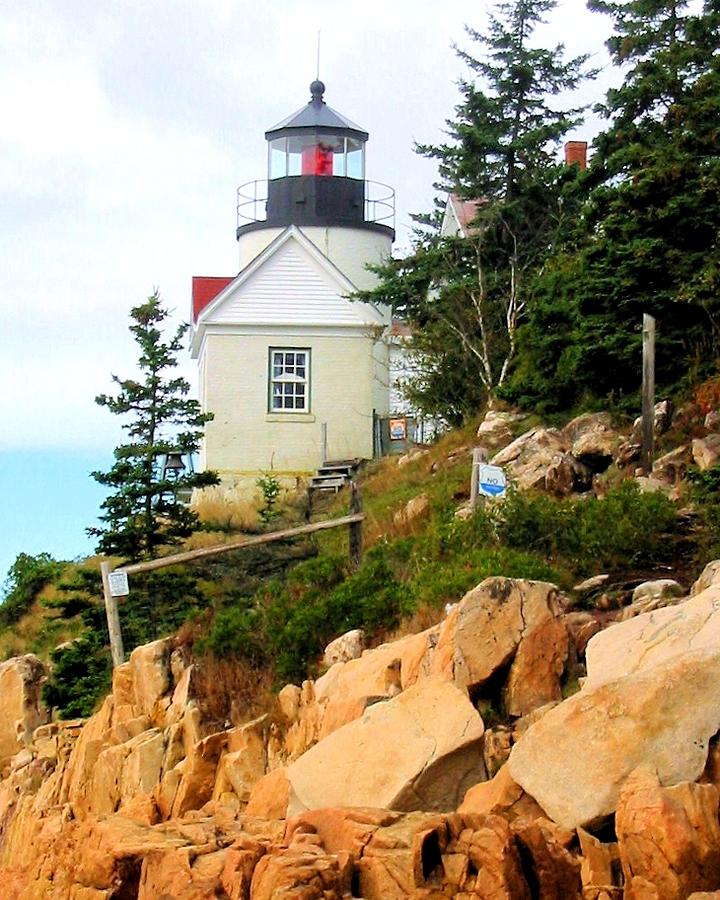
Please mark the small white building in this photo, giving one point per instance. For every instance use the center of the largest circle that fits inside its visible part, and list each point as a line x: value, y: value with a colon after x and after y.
x: 294, y: 372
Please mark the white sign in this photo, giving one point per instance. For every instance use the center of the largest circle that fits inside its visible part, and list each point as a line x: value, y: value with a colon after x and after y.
x: 118, y: 584
x: 491, y: 480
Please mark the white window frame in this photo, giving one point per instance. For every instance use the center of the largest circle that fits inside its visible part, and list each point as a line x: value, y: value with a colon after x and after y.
x: 288, y: 380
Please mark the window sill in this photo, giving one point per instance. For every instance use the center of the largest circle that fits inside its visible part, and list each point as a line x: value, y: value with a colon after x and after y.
x: 289, y: 417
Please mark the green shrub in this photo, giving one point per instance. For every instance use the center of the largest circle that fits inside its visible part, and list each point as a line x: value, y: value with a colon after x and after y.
x: 269, y: 485
x: 625, y: 528
x: 705, y: 493
x: 27, y: 576
x: 81, y: 670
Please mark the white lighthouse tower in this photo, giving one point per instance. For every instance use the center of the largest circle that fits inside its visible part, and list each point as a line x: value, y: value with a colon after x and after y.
x: 294, y: 372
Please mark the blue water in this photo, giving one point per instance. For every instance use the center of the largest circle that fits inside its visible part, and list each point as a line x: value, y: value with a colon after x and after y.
x: 47, y: 499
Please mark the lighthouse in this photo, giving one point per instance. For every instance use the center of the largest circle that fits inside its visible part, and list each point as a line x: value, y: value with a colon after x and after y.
x: 295, y: 373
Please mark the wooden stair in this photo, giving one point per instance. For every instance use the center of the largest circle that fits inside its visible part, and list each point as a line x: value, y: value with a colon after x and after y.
x: 334, y: 475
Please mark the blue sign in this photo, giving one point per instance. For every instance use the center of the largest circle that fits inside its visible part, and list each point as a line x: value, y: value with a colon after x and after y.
x: 491, y: 481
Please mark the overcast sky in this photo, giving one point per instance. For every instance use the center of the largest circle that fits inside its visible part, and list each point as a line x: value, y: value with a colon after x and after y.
x: 126, y: 127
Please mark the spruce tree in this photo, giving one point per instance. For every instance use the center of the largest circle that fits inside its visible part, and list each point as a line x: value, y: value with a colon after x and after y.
x: 144, y: 511
x: 466, y: 297
x: 651, y: 221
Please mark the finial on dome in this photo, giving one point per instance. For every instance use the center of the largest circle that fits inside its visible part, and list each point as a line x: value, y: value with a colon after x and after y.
x: 317, y: 89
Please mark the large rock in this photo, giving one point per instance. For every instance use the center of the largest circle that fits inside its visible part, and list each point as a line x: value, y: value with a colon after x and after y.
x: 706, y: 451
x: 346, y: 690
x: 420, y: 750
x: 593, y: 440
x: 671, y: 468
x: 576, y: 758
x: 565, y: 474
x: 496, y: 429
x: 483, y: 632
x: 344, y: 648
x: 528, y: 457
x: 502, y: 796
x: 669, y: 838
x: 654, y: 638
x: 709, y: 576
x: 21, y: 707
x: 536, y: 671
x: 149, y: 667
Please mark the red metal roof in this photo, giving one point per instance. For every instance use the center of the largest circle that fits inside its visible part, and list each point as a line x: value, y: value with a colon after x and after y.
x: 465, y: 212
x: 204, y: 289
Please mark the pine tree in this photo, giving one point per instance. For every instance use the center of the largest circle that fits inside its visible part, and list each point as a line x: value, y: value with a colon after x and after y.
x: 651, y: 221
x: 466, y: 297
x: 144, y: 511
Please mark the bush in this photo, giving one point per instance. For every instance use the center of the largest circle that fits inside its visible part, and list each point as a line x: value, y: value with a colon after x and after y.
x: 27, y: 576
x: 81, y: 671
x: 625, y: 528
x: 705, y: 493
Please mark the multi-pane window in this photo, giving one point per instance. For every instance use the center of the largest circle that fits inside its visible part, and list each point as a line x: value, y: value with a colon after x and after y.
x: 289, y: 380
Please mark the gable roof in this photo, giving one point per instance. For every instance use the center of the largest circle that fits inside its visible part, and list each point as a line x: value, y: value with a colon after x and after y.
x: 459, y: 215
x: 204, y: 289
x: 292, y: 283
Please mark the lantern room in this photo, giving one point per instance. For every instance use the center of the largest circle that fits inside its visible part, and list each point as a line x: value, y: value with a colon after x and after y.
x: 316, y: 174
x: 316, y: 140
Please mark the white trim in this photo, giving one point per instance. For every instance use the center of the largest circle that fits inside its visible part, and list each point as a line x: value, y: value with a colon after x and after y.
x: 292, y: 232
x: 280, y: 332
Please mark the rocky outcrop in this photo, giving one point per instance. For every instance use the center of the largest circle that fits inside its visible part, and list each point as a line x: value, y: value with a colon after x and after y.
x: 575, y: 760
x: 528, y: 457
x: 706, y: 451
x: 21, y: 707
x: 420, y: 750
x: 348, y: 787
x: 669, y: 837
x: 483, y: 633
x: 654, y: 638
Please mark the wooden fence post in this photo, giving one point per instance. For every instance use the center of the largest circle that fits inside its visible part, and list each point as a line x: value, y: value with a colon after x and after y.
x: 648, y: 394
x: 113, y: 618
x: 478, y: 458
x: 355, y: 534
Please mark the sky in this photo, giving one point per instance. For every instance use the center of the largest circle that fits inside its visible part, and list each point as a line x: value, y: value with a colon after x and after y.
x: 126, y: 128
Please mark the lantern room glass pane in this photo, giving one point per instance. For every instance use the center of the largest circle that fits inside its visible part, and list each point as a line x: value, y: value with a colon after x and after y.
x: 278, y: 158
x: 355, y: 159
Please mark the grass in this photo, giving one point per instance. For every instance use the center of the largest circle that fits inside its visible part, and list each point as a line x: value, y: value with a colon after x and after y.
x: 226, y: 509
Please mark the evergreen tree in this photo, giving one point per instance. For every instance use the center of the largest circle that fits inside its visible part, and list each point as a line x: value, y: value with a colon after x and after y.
x: 651, y: 222
x: 144, y: 511
x: 466, y: 297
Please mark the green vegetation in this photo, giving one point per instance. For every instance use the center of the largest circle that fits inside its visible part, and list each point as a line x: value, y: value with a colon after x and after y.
x: 26, y: 578
x: 646, y: 238
x: 286, y: 624
x: 541, y: 301
x: 270, y: 489
x: 466, y: 297
x: 146, y: 510
x: 273, y: 609
x: 705, y: 493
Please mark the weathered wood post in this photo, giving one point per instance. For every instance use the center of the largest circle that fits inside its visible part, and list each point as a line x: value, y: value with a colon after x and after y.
x: 355, y: 534
x: 478, y: 458
x: 113, y: 617
x: 648, y: 394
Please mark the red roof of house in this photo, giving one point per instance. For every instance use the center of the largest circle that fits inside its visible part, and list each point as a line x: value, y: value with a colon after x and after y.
x: 465, y: 211
x: 204, y: 289
x: 398, y: 328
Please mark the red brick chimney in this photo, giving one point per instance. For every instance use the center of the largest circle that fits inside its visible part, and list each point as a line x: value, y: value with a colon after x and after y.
x: 576, y: 154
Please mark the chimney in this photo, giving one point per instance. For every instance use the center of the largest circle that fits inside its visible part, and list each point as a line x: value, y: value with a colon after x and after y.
x: 576, y: 154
